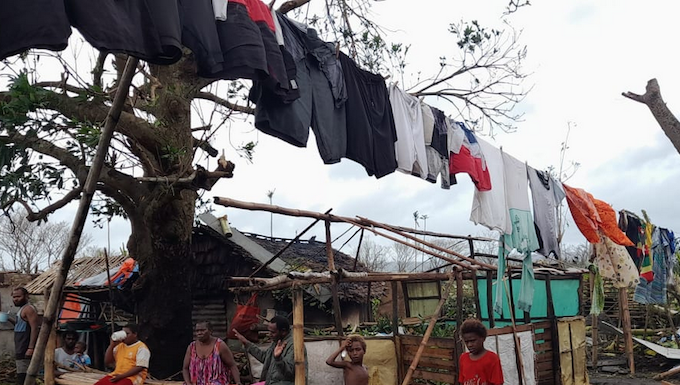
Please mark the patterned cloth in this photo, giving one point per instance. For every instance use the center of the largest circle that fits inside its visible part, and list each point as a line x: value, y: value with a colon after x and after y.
x: 654, y: 292
x: 614, y: 263
x: 209, y: 370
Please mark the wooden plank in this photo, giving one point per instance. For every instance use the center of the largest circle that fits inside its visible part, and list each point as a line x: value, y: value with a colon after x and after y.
x: 441, y: 343
x: 429, y: 352
x: 489, y: 300
x: 433, y: 363
x: 544, y: 367
x: 433, y: 376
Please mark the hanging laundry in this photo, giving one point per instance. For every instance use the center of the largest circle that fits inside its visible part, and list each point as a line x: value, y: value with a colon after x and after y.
x: 597, y: 304
x: 439, y: 135
x: 489, y: 207
x: 318, y: 74
x: 631, y: 224
x: 584, y: 212
x: 33, y: 24
x: 371, y: 133
x: 668, y: 244
x: 609, y: 225
x: 455, y: 136
x: 220, y: 9
x: 615, y: 263
x: 546, y: 194
x: 147, y: 29
x: 523, y: 235
x: 470, y: 160
x: 408, y: 121
x: 437, y: 165
x: 648, y: 260
x: 654, y: 292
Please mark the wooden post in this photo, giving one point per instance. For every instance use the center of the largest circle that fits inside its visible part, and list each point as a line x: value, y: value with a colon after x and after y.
x: 334, y: 284
x: 52, y: 306
x: 108, y: 277
x: 475, y: 288
x: 557, y: 378
x: 395, y: 330
x: 627, y: 335
x: 49, y: 357
x: 489, y: 297
x: 459, y: 298
x: 518, y: 348
x: 299, y: 336
x: 595, y: 324
x: 428, y: 332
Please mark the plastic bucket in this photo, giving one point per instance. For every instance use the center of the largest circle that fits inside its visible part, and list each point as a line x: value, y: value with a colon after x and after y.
x: 4, y: 317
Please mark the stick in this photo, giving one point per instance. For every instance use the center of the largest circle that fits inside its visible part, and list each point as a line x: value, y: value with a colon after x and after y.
x: 518, y: 349
x: 297, y: 237
x: 428, y: 332
x: 334, y: 285
x: 80, y: 217
x: 299, y: 336
x: 108, y: 277
x: 627, y: 335
x: 667, y: 373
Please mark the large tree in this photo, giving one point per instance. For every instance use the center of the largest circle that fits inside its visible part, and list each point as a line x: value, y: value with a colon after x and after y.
x: 49, y: 129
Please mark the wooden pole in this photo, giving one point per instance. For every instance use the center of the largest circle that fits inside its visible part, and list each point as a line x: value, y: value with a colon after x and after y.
x: 334, y: 284
x: 554, y: 336
x: 363, y: 223
x: 108, y: 277
x: 595, y: 324
x: 48, y: 363
x: 627, y: 335
x: 229, y: 202
x: 475, y: 288
x: 395, y: 330
x: 89, y: 188
x: 356, y: 257
x: 518, y: 348
x: 489, y: 297
x: 297, y: 237
x: 428, y: 332
x: 299, y: 336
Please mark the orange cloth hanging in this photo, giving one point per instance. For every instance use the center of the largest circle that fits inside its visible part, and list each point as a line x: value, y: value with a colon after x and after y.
x: 583, y: 210
x: 609, y: 225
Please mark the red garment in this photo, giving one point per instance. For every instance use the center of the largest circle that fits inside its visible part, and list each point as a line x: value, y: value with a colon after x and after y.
x: 483, y: 371
x: 107, y: 381
x: 258, y: 12
x: 475, y: 167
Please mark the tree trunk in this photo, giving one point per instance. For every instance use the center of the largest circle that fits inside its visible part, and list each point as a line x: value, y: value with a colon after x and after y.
x: 161, y: 242
x: 652, y: 98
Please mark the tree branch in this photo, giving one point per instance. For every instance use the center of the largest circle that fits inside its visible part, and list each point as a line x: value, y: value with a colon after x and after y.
x: 223, y: 102
x: 653, y: 100
x: 291, y: 5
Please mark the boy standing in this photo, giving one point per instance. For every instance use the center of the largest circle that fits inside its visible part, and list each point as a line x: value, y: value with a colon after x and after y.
x: 354, y: 371
x: 478, y: 366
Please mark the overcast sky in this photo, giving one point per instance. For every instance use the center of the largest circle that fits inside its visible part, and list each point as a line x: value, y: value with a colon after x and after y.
x: 581, y: 54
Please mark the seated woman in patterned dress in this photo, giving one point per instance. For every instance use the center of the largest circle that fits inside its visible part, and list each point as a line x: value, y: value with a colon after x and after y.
x: 208, y: 360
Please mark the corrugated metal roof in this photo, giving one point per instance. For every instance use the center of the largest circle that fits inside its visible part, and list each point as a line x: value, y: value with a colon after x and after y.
x: 80, y: 269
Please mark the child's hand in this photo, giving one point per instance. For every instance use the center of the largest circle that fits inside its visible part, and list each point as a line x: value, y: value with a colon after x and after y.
x: 348, y: 343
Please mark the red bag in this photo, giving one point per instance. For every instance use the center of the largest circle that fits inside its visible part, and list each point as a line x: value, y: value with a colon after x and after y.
x: 245, y: 319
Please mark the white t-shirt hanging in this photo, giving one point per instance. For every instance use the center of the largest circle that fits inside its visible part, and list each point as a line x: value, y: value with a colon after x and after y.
x: 489, y: 207
x: 408, y: 121
x: 220, y: 9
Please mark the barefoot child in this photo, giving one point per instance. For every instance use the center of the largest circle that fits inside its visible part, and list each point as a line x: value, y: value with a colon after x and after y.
x: 478, y: 366
x: 354, y: 371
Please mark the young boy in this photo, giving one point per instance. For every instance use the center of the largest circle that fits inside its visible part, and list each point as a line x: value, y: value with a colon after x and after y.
x: 354, y: 371
x: 81, y: 357
x: 478, y: 366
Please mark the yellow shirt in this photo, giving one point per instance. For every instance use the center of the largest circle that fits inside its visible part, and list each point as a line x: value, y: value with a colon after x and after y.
x: 129, y: 356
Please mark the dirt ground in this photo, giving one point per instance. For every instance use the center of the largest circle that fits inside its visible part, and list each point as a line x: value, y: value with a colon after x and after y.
x: 646, y: 368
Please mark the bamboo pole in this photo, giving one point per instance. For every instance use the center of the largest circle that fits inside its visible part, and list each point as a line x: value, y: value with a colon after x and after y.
x: 360, y: 222
x: 49, y: 357
x: 627, y: 335
x: 299, y: 336
x: 395, y: 330
x: 89, y: 188
x: 297, y: 237
x: 252, y: 206
x: 428, y: 332
x: 667, y: 373
x: 108, y: 277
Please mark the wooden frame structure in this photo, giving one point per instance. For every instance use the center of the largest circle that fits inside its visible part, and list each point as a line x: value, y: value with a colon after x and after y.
x: 463, y: 268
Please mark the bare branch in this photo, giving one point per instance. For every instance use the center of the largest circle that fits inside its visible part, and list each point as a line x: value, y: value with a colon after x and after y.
x: 223, y: 102
x: 291, y: 5
x: 98, y: 69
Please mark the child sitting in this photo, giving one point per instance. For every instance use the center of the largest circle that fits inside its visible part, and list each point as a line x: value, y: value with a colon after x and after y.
x: 354, y: 371
x: 81, y: 358
x: 478, y: 366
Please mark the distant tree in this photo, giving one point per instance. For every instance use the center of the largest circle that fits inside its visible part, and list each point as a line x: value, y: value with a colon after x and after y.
x: 578, y: 254
x: 373, y: 255
x: 30, y: 247
x: 404, y: 257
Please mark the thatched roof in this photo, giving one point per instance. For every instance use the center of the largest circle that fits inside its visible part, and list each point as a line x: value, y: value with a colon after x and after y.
x: 81, y: 268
